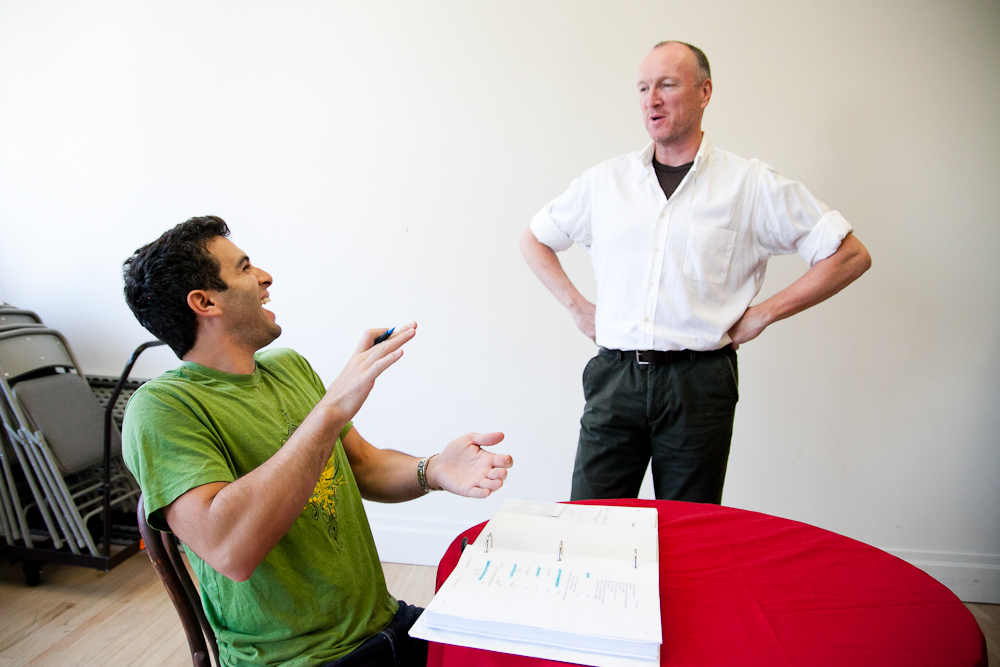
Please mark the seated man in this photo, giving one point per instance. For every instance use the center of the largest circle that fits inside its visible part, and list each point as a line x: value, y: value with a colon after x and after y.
x: 259, y: 471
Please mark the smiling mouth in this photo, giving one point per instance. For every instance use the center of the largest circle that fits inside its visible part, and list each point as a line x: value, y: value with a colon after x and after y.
x: 266, y: 300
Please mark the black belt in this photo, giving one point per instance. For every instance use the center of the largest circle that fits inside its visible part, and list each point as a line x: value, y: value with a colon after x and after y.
x: 661, y: 356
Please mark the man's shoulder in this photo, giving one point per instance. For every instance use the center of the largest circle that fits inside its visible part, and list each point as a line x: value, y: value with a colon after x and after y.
x: 720, y: 158
x: 168, y: 392
x: 620, y: 163
x: 170, y: 382
x: 287, y: 368
x: 279, y: 356
x: 282, y: 360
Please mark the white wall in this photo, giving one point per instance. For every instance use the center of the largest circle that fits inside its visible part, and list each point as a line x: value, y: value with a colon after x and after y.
x: 380, y: 160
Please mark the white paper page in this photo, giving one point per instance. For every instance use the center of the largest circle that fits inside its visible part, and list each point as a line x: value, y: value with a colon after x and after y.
x: 640, y: 518
x: 604, y: 515
x: 592, y: 597
x: 622, y: 536
x: 421, y: 631
x: 531, y: 508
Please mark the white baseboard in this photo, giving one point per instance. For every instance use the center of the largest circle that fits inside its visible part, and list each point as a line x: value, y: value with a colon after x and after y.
x: 413, y: 541
x: 972, y: 577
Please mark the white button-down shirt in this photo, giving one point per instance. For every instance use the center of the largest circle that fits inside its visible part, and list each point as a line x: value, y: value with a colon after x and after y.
x: 677, y: 274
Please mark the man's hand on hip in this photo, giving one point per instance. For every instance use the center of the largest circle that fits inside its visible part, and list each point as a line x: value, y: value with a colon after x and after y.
x: 824, y: 279
x: 748, y: 327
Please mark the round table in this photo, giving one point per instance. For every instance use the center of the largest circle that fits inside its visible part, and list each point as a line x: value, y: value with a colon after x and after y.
x: 743, y: 588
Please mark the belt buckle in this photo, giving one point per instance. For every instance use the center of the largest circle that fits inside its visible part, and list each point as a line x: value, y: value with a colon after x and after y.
x: 638, y: 358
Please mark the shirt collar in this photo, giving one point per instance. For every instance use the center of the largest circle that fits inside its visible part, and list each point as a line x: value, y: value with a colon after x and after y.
x: 699, y: 158
x: 647, y: 154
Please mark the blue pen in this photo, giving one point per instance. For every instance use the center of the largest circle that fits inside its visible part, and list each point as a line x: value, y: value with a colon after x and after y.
x: 384, y: 336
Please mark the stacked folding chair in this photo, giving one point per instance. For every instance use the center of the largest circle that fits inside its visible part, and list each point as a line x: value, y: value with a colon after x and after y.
x: 12, y: 517
x: 11, y: 317
x: 55, y: 428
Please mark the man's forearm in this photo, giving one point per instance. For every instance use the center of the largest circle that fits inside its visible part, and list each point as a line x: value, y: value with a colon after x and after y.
x: 397, y: 481
x: 463, y: 467
x: 544, y: 263
x: 383, y: 475
x: 546, y: 266
x: 819, y: 283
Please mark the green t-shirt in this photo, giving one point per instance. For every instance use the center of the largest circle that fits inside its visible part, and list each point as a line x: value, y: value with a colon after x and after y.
x: 321, y: 591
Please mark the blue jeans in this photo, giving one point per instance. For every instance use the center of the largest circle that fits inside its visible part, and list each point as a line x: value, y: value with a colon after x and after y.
x: 392, y: 647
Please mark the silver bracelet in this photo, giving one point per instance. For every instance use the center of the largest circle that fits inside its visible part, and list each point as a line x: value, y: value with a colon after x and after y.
x: 422, y: 474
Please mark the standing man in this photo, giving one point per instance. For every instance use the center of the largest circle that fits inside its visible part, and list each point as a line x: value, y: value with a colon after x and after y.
x: 259, y: 470
x: 679, y: 234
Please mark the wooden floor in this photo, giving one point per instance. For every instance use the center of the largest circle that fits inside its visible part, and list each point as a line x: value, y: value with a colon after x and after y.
x: 124, y: 617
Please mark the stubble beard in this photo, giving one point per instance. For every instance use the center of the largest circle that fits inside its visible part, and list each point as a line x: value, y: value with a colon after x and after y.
x: 254, y: 330
x: 676, y: 134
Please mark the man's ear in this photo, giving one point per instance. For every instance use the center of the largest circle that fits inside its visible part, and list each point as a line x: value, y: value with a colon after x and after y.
x: 706, y: 92
x: 204, y: 303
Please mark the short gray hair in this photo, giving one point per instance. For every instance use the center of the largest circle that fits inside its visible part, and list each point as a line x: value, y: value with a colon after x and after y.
x: 704, y: 70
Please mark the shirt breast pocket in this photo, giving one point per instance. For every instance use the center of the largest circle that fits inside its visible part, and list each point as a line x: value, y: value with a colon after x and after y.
x: 709, y: 253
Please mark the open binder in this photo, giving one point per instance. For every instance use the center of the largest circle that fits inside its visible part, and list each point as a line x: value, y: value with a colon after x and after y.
x: 577, y: 583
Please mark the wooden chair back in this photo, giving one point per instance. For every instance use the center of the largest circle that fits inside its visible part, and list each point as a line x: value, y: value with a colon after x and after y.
x: 167, y: 561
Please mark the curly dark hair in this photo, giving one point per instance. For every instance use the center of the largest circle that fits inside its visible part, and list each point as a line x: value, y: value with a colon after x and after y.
x: 159, y: 276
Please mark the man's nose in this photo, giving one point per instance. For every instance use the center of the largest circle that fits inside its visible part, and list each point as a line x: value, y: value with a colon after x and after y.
x: 263, y: 277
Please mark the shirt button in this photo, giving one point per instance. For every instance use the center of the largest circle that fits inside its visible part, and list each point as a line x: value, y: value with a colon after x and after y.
x: 646, y: 318
x: 657, y: 248
x: 650, y: 284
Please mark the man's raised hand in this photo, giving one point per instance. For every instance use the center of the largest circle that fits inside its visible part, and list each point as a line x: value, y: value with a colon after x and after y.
x: 466, y: 469
x: 349, y: 391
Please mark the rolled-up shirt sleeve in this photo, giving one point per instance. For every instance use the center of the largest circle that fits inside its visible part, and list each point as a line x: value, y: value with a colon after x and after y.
x: 790, y: 219
x: 566, y: 219
x: 825, y: 237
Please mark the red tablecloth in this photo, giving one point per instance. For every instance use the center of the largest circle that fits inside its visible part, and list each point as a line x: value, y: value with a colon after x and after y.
x: 739, y: 588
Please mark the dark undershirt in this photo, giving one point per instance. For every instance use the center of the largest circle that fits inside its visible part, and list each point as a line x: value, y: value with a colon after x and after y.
x: 670, y: 177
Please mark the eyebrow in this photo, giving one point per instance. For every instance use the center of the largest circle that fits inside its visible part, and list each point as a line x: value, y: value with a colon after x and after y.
x: 243, y: 261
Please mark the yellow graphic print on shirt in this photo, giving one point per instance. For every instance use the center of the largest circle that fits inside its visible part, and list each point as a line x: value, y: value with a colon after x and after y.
x: 323, y: 501
x: 324, y: 497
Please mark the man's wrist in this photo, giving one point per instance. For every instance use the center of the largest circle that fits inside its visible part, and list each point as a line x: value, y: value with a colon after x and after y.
x: 578, y: 306
x: 332, y: 416
x: 424, y: 475
x: 767, y: 312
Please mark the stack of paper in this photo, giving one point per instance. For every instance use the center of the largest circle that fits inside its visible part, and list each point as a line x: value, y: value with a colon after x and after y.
x: 577, y: 583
